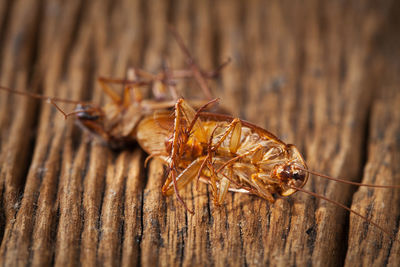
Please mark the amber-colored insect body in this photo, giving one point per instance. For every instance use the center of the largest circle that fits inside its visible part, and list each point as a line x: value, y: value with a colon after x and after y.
x: 226, y: 152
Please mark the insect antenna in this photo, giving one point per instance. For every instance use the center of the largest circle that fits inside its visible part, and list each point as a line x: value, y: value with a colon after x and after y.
x: 43, y: 97
x: 346, y: 181
x: 51, y: 100
x: 346, y: 208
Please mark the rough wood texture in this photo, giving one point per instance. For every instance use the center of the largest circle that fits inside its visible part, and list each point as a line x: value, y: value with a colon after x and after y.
x: 321, y: 75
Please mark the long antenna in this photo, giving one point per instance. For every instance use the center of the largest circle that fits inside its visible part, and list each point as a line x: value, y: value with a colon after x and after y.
x: 346, y: 181
x: 342, y: 206
x: 43, y: 97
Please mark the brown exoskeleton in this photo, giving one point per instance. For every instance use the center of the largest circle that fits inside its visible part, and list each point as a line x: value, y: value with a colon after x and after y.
x: 226, y: 152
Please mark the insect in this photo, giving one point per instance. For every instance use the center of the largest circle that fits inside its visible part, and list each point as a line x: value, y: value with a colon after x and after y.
x: 225, y: 152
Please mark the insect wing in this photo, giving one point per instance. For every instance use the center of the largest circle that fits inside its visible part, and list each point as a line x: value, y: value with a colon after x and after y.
x: 152, y: 131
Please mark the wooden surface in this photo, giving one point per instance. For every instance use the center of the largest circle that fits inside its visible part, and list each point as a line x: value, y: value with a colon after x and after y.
x: 321, y: 75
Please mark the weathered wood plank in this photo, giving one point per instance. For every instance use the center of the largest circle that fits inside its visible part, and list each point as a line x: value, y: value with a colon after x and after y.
x: 382, y: 159
x: 312, y: 72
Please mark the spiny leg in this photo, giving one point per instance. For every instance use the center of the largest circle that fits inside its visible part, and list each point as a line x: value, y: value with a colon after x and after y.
x: 185, y: 113
x: 197, y: 114
x: 219, y: 186
x: 163, y: 81
x: 182, y: 74
x: 192, y: 119
x: 136, y: 95
x: 166, y: 83
x: 104, y: 83
x: 235, y: 127
x: 219, y: 192
x: 167, y: 77
x: 132, y: 92
x: 132, y: 82
x: 176, y: 153
x: 208, y: 159
x: 198, y: 75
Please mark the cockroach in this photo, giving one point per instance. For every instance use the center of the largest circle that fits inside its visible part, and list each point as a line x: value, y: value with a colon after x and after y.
x: 227, y: 153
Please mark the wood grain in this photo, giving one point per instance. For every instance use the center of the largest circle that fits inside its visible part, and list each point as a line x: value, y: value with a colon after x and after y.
x: 321, y: 75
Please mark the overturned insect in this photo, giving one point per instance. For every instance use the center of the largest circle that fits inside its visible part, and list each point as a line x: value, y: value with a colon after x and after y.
x: 227, y: 153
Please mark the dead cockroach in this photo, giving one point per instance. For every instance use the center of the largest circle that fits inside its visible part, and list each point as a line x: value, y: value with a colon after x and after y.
x: 225, y: 152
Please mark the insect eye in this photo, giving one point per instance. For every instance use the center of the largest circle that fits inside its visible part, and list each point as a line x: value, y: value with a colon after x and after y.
x: 298, y: 176
x: 87, y: 116
x: 86, y: 113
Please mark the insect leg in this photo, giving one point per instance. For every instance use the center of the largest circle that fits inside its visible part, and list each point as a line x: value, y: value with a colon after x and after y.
x: 165, y: 84
x: 144, y: 74
x: 223, y: 188
x: 198, y: 75
x: 136, y: 95
x: 235, y: 127
x: 159, y: 82
x: 231, y: 161
x: 130, y: 84
x: 261, y: 191
x: 109, y: 91
x: 175, y: 156
x: 181, y: 74
x: 184, y: 113
x: 219, y: 192
x: 225, y: 181
x: 214, y: 73
x: 168, y: 77
x: 192, y: 119
x: 184, y: 177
